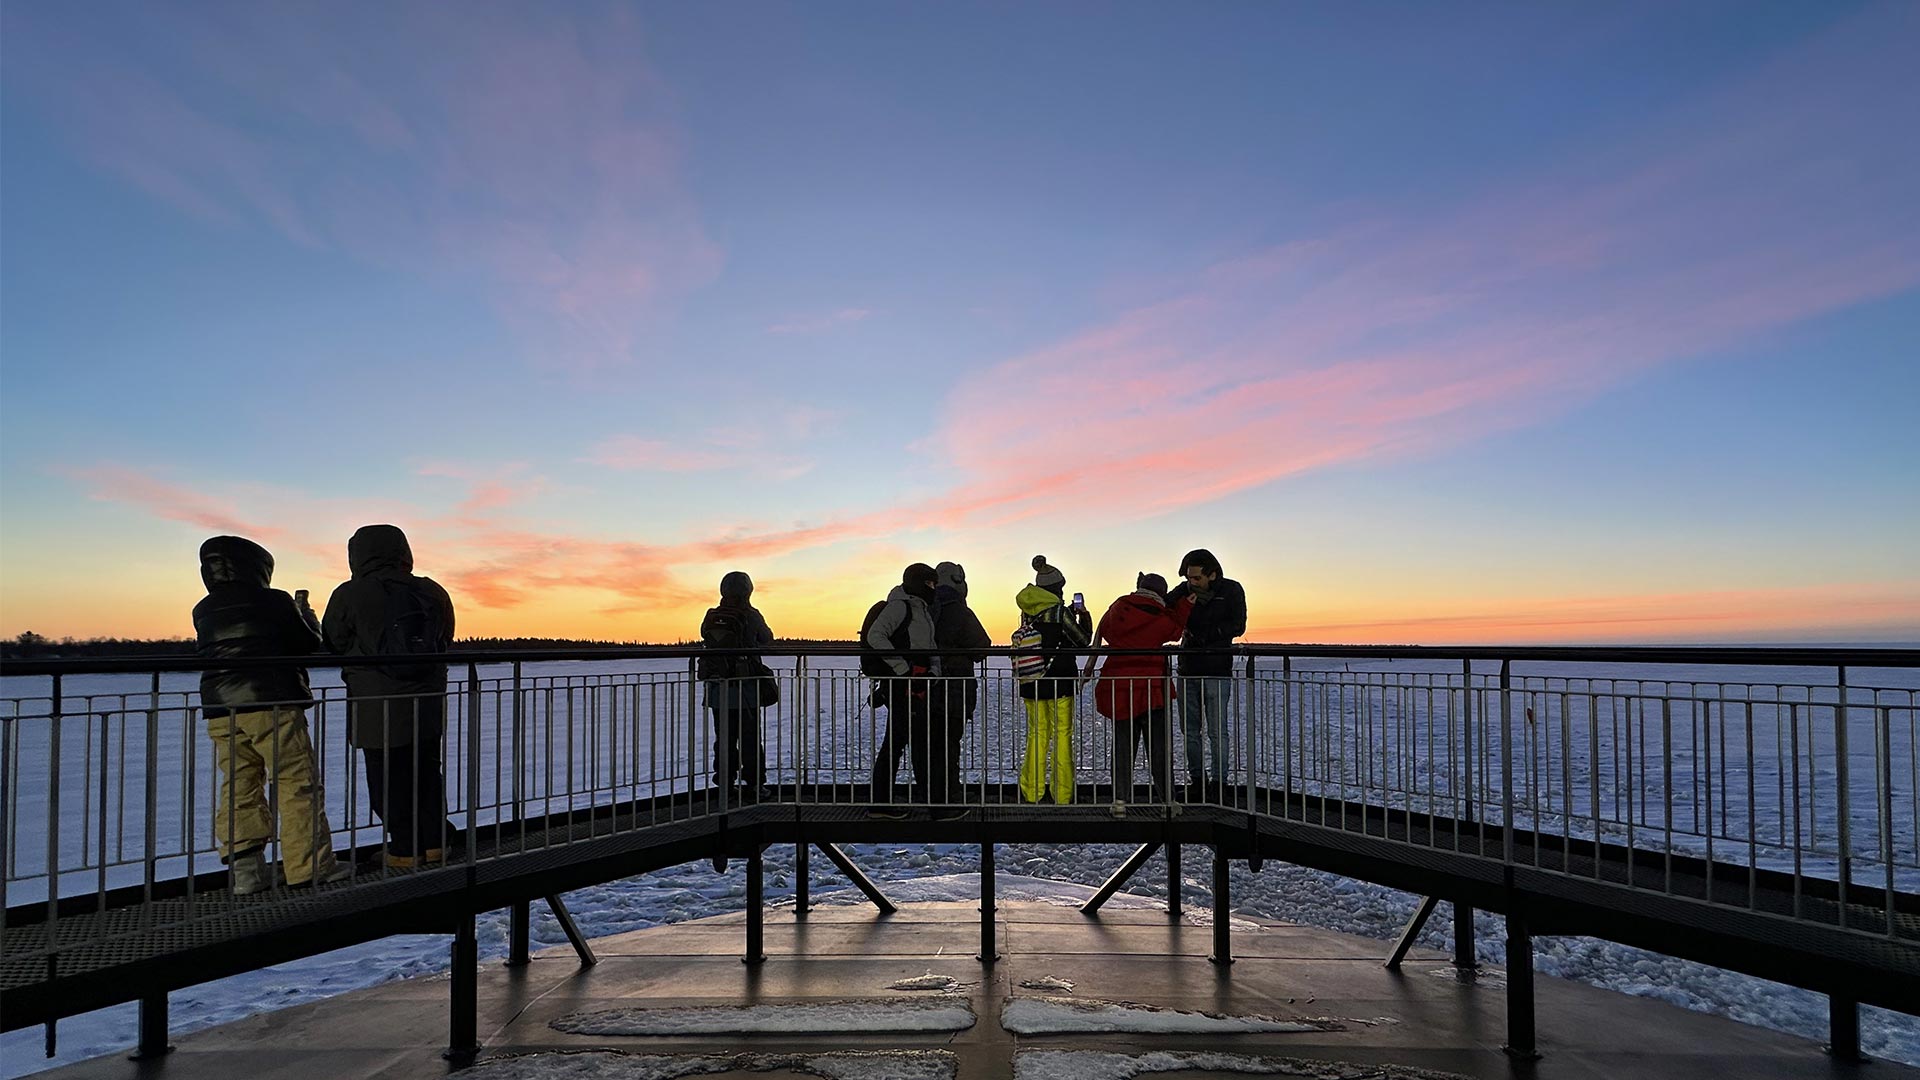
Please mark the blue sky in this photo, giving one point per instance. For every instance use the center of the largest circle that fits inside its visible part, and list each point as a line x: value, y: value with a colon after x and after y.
x: 1555, y: 322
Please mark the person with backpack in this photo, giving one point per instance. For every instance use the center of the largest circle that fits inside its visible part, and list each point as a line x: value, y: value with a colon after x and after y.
x: 1206, y: 665
x: 955, y: 627
x: 396, y: 712
x: 258, y: 720
x: 1135, y: 692
x: 1046, y: 679
x: 734, y: 685
x: 898, y: 643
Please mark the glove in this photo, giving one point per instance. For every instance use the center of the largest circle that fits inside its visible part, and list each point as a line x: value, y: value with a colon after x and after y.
x: 305, y: 609
x: 918, y: 672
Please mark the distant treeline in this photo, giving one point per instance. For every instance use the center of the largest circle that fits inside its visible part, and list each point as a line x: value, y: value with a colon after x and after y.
x: 32, y: 646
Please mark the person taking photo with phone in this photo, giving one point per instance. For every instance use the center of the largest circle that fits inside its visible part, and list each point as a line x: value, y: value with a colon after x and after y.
x: 1046, y: 679
x: 1206, y: 666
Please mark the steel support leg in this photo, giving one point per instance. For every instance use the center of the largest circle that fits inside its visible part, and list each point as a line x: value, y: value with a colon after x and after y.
x: 1464, y: 955
x: 1120, y: 877
x: 860, y: 880
x: 463, y: 1005
x: 1843, y: 1028
x: 1222, y: 920
x: 568, y: 927
x: 1412, y: 931
x: 989, y: 946
x: 801, y: 878
x: 1173, y: 880
x: 756, y: 909
x: 520, y: 933
x: 1520, y: 1040
x: 153, y: 1029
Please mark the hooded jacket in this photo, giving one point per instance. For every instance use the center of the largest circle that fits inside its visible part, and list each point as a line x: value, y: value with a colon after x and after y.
x: 904, y: 607
x: 242, y: 616
x: 737, y: 688
x: 1218, y: 617
x: 955, y: 626
x: 1131, y: 685
x: 358, y: 616
x: 1059, y: 628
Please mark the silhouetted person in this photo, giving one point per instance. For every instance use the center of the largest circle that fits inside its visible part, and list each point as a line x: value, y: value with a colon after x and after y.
x: 1048, y: 763
x: 955, y: 626
x: 903, y: 632
x: 1206, y: 664
x: 733, y: 684
x: 1135, y: 691
x: 396, y: 712
x: 258, y: 720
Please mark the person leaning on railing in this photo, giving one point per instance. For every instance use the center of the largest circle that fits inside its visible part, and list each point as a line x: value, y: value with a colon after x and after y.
x: 1135, y: 691
x: 902, y: 634
x: 396, y: 713
x: 1206, y: 665
x: 736, y: 686
x: 1047, y: 767
x: 955, y: 626
x: 258, y: 720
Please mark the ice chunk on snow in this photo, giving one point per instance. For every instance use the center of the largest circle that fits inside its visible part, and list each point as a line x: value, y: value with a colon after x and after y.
x: 870, y: 1015
x: 929, y: 981
x: 1054, y: 1015
x: 1048, y: 982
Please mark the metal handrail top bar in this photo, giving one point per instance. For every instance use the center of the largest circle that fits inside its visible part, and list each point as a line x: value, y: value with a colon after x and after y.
x: 1770, y: 656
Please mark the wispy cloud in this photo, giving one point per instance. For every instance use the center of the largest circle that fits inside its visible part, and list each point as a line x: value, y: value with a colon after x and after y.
x: 814, y: 324
x: 528, y: 151
x: 170, y: 501
x: 764, y: 438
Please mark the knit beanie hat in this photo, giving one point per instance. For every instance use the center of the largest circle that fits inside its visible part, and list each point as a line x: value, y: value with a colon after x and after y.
x: 1152, y: 583
x: 1047, y: 576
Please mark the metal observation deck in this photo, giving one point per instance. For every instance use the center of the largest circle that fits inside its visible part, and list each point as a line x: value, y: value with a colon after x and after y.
x: 1752, y: 809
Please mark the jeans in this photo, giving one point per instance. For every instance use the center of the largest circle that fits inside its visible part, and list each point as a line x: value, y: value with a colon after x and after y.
x: 1204, y: 700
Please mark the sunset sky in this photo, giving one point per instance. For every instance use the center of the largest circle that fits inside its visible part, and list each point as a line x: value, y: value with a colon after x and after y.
x: 1438, y: 323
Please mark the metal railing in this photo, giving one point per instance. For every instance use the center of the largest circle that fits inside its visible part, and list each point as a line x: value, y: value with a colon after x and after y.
x: 1801, y: 762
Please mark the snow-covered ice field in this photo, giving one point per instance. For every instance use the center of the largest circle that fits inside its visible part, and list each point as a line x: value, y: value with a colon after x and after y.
x: 1050, y: 873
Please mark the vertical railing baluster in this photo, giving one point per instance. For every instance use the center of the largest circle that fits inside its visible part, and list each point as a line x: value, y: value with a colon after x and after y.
x: 1842, y: 790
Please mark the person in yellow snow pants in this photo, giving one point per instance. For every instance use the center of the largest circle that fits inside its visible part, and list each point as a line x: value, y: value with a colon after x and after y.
x: 1049, y: 733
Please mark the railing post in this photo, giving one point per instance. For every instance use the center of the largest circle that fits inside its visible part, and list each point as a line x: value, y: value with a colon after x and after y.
x: 1842, y: 775
x: 1464, y: 955
x: 473, y: 764
x: 1506, y: 764
x: 1249, y: 711
x: 519, y: 748
x: 802, y: 877
x: 1286, y: 733
x: 1466, y: 742
x: 1843, y: 1028
x: 150, y: 855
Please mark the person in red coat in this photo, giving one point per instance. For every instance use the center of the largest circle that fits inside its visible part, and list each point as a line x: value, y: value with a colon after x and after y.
x: 1135, y: 692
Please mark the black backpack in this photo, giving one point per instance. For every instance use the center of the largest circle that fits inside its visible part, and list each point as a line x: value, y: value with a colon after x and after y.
x: 724, y: 629
x: 414, y: 625
x: 873, y: 662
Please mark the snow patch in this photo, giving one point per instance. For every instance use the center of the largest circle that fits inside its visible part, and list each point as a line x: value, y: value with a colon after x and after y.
x: 1056, y: 1016
x: 929, y: 981
x: 1102, y: 1065
x: 807, y: 1018
x: 612, y: 1065
x: 1048, y: 983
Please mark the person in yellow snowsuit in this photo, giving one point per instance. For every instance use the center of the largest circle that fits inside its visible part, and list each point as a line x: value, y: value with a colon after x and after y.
x: 1047, y: 682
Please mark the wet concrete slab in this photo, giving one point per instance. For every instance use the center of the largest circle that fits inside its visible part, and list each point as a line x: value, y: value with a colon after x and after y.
x: 1372, y: 1016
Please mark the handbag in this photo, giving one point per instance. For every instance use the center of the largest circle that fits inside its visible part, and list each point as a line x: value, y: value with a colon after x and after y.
x: 767, y: 685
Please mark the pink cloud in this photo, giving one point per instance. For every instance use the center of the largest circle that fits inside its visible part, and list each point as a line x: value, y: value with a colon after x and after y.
x: 169, y: 501
x: 528, y: 153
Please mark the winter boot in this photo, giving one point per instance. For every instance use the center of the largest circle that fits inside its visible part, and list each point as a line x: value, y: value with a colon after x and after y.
x: 247, y: 873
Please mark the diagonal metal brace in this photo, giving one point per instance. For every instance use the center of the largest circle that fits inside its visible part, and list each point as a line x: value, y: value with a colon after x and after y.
x: 567, y: 926
x: 1412, y: 931
x: 1127, y: 869
x: 860, y: 880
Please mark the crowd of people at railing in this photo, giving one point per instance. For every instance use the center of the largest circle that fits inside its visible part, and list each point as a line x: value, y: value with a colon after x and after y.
x: 918, y: 646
